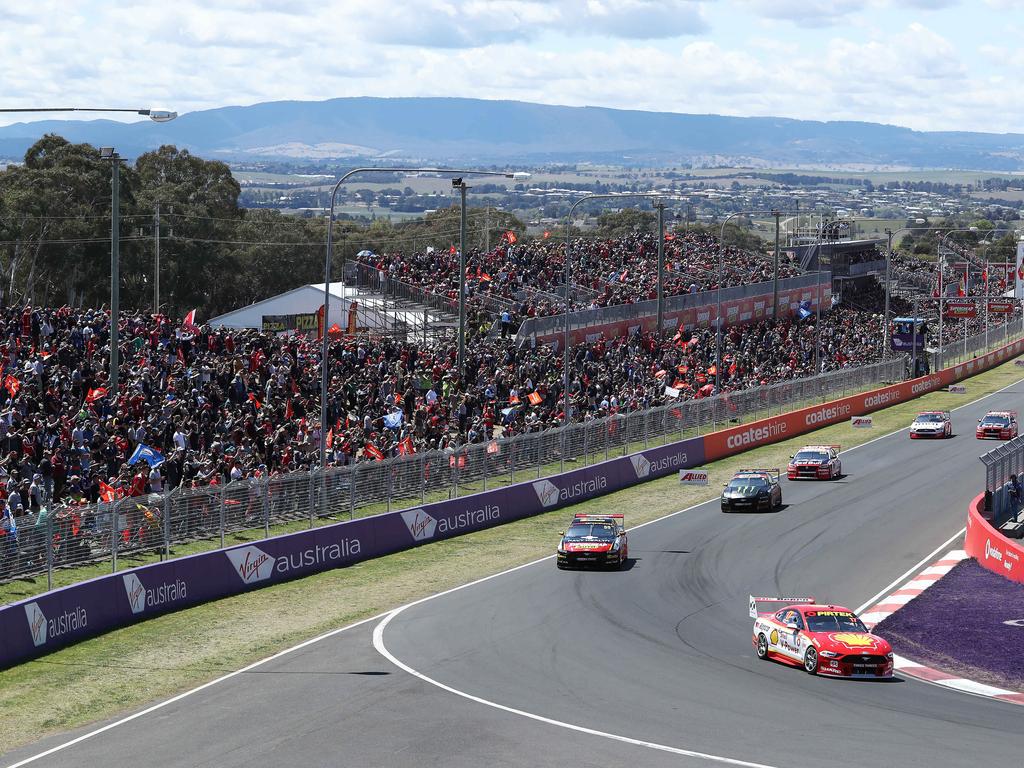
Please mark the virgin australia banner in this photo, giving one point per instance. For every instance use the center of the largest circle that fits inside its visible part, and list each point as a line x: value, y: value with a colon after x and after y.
x: 36, y: 626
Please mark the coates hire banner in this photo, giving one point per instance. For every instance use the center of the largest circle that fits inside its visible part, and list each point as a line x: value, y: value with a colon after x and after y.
x: 990, y: 548
x: 33, y: 627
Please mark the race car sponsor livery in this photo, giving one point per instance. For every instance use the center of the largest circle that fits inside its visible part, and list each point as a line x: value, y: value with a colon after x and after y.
x: 594, y: 540
x: 823, y: 639
x: 931, y: 424
x: 815, y: 462
x: 1001, y: 425
x: 752, y: 490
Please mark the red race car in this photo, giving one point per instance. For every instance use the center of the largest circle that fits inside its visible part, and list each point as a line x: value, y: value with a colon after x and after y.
x: 594, y: 540
x: 823, y: 639
x: 1001, y: 425
x: 815, y: 462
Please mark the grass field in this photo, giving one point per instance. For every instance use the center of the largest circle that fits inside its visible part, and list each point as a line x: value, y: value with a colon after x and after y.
x: 129, y: 667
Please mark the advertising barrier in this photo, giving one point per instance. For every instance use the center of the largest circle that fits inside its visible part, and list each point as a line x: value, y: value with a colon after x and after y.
x: 37, y: 625
x: 990, y: 548
x: 43, y: 623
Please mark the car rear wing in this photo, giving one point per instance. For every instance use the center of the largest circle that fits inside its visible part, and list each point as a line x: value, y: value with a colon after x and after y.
x: 755, y: 601
x: 837, y: 448
x: 618, y: 520
x: 776, y: 472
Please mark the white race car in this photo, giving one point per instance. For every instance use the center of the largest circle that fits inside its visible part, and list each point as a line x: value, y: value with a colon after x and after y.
x: 931, y: 424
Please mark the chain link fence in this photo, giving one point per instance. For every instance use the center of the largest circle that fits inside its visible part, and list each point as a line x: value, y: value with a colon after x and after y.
x: 1004, y: 478
x: 131, y: 531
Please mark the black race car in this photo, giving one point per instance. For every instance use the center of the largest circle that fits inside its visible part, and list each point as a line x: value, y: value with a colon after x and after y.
x: 752, y: 490
x: 594, y: 540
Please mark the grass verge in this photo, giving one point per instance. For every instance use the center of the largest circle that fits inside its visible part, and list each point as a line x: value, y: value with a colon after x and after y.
x: 129, y: 667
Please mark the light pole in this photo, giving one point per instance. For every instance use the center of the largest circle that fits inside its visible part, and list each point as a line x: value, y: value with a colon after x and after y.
x: 568, y: 280
x: 324, y: 362
x: 721, y: 279
x: 108, y: 153
x: 938, y: 261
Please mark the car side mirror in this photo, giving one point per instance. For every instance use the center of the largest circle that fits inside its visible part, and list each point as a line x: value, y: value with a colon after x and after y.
x: 561, y: 533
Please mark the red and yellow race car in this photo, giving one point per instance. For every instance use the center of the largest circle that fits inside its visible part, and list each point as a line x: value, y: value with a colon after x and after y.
x: 815, y: 462
x: 594, y: 540
x: 1001, y: 425
x: 823, y: 639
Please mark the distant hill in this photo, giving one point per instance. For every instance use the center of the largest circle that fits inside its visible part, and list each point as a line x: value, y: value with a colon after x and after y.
x: 474, y: 130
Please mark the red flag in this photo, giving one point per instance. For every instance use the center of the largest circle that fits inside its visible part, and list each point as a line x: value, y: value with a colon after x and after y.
x: 374, y: 451
x: 452, y: 250
x: 95, y: 394
x: 106, y: 492
x: 190, y: 320
x: 535, y: 398
x: 12, y: 385
x: 712, y: 370
x: 510, y: 236
x: 254, y: 401
x: 547, y: 235
x: 329, y: 442
x: 493, y: 447
x: 288, y: 412
x: 513, y: 400
x: 405, y: 446
x: 732, y: 369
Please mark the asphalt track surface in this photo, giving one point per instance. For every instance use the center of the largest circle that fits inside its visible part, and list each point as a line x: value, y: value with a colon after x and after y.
x: 657, y: 653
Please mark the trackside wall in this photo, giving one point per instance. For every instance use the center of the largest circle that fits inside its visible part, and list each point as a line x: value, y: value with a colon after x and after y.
x: 989, y: 547
x: 38, y: 625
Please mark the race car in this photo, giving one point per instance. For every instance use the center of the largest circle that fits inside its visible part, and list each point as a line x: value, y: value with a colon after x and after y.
x: 815, y: 462
x: 823, y: 639
x: 594, y: 540
x: 753, y: 489
x: 1001, y: 425
x: 931, y: 424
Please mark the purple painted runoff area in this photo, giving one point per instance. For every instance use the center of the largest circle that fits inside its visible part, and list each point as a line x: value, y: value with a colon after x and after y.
x: 40, y: 624
x: 959, y: 625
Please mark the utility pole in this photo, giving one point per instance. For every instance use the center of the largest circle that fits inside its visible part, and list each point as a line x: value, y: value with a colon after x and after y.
x: 775, y: 272
x: 156, y: 261
x: 460, y: 185
x: 660, y: 205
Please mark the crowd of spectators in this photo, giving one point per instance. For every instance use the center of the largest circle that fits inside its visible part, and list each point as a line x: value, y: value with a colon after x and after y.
x: 220, y: 405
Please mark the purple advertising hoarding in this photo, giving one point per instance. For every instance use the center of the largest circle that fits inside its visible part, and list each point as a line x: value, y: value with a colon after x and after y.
x: 41, y: 624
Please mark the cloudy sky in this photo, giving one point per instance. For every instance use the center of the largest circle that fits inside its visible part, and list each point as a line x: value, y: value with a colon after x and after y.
x: 925, y: 64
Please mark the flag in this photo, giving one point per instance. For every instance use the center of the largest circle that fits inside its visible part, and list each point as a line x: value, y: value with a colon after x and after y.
x: 181, y: 356
x: 493, y: 447
x: 547, y: 235
x: 513, y: 400
x: 329, y: 440
x: 535, y: 398
x: 107, y: 493
x: 288, y: 412
x: 671, y: 392
x: 144, y: 453
x: 732, y: 369
x: 374, y: 451
x: 805, y: 309
x: 452, y: 250
x: 95, y: 394
x: 460, y: 461
x: 393, y: 420
x: 405, y: 446
x: 190, y: 320
x: 254, y: 401
x: 510, y: 237
x: 12, y: 385
x: 712, y: 370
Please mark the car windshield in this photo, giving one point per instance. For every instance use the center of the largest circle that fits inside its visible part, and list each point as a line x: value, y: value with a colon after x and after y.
x: 738, y: 483
x: 996, y: 421
x: 929, y: 417
x: 811, y: 456
x: 585, y: 530
x: 834, y: 621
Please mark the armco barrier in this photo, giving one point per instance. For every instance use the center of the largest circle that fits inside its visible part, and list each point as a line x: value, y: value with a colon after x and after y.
x: 989, y: 547
x: 38, y: 625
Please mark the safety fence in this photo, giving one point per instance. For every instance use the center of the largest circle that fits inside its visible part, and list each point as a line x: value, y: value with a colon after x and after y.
x: 36, y: 625
x: 154, y: 524
x: 1004, y: 478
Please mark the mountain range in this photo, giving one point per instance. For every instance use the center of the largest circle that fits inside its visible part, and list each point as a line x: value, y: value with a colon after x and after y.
x: 480, y: 131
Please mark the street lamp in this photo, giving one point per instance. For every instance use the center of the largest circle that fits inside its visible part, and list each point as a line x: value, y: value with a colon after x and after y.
x: 108, y: 153
x: 324, y: 363
x: 721, y: 279
x: 156, y: 115
x: 568, y: 279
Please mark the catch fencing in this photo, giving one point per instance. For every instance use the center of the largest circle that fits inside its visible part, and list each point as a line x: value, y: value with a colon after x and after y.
x: 131, y: 531
x: 1002, y: 463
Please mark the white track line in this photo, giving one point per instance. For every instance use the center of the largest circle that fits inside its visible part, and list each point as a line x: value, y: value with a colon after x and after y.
x: 386, y: 616
x: 378, y: 643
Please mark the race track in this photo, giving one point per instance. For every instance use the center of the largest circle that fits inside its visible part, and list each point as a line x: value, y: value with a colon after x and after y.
x: 658, y: 653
